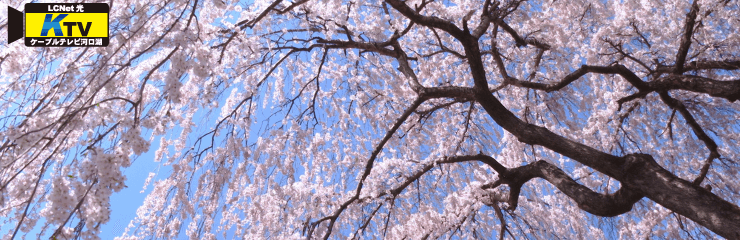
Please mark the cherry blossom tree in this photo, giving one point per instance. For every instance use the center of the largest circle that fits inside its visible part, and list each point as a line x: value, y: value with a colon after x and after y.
x: 416, y: 119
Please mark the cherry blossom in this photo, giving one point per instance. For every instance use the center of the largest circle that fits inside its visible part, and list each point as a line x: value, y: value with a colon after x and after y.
x: 416, y: 119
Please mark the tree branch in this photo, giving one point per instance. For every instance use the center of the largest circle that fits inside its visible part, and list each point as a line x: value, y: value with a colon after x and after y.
x: 732, y: 64
x: 367, y: 46
x: 683, y: 48
x: 595, y: 203
x: 368, y: 167
x: 606, y: 205
x: 729, y: 90
x: 518, y: 39
x: 433, y: 22
x: 583, y: 70
x: 698, y: 131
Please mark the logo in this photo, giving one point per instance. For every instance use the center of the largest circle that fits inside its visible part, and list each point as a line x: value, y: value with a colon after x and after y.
x: 60, y: 24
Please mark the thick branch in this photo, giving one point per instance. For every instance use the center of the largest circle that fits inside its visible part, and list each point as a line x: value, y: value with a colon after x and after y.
x: 683, y: 49
x: 463, y: 93
x: 575, y: 75
x: 595, y: 203
x: 433, y: 22
x: 535, y: 135
x: 729, y: 90
x: 606, y: 205
x: 681, y: 196
x: 404, y: 67
x: 372, y: 47
x: 483, y: 26
x: 702, y: 65
x: 518, y: 39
